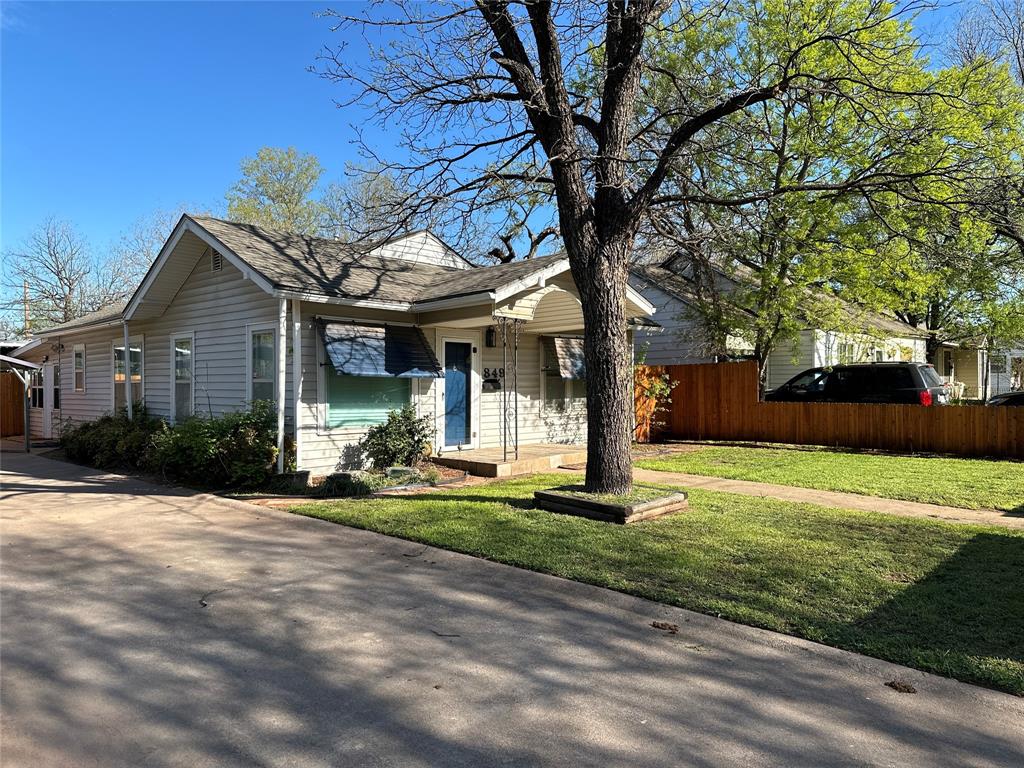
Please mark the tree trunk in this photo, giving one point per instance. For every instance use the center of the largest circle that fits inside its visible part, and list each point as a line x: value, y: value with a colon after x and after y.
x: 601, y: 281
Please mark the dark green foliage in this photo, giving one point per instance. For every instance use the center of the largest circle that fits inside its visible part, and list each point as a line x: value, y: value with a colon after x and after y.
x: 113, y: 441
x: 236, y: 449
x: 350, y: 484
x: 402, y: 440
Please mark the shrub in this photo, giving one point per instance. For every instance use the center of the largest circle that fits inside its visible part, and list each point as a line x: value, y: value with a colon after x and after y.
x: 236, y: 449
x: 350, y: 484
x: 402, y: 440
x: 113, y: 441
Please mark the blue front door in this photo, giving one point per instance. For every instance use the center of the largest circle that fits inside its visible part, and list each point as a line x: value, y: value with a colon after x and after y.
x: 457, y: 393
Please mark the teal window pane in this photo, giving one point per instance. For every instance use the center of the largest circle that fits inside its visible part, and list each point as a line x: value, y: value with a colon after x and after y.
x: 361, y: 401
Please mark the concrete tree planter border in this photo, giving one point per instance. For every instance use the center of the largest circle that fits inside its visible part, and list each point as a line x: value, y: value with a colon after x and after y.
x: 567, y: 503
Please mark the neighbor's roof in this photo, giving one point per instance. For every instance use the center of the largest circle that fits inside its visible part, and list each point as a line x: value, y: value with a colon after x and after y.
x: 107, y: 314
x: 856, y: 316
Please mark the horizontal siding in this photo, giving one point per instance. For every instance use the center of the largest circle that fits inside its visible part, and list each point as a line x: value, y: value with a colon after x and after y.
x: 217, y: 307
x: 680, y: 341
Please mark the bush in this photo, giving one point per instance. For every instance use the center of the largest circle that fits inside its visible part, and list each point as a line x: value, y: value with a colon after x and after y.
x: 350, y: 484
x: 113, y: 441
x: 236, y: 449
x: 402, y: 440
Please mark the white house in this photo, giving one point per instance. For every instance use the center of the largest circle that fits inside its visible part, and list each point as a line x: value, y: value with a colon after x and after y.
x: 231, y: 313
x: 681, y: 339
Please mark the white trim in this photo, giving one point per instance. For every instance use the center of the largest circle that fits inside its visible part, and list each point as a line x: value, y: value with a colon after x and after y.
x: 466, y: 300
x: 281, y: 352
x: 297, y: 379
x: 475, y: 386
x: 187, y: 224
x: 141, y: 339
x: 173, y: 375
x: 639, y: 299
x: 128, y: 399
x: 534, y: 280
x: 28, y: 346
x: 363, y: 320
x: 250, y: 329
x: 319, y: 298
x: 75, y: 349
x: 158, y: 264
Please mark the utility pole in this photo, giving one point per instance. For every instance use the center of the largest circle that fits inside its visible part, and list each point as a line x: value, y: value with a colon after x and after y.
x: 28, y: 319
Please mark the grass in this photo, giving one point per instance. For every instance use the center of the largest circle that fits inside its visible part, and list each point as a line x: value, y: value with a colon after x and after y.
x: 638, y: 495
x: 940, y: 597
x: 966, y: 483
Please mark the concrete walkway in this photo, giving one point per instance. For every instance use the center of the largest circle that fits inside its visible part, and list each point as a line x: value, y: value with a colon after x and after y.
x: 832, y: 498
x: 147, y: 628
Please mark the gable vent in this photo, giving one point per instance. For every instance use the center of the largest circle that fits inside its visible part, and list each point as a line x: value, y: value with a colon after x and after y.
x: 216, y: 261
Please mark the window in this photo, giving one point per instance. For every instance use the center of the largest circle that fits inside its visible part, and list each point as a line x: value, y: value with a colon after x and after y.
x: 847, y: 352
x: 79, y: 367
x: 183, y: 400
x: 262, y: 368
x: 134, y: 372
x: 997, y: 364
x: 35, y: 391
x: 812, y: 381
x: 362, y: 401
x: 563, y: 373
x: 56, y: 387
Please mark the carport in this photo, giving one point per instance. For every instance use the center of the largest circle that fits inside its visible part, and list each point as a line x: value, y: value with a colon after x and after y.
x: 21, y: 369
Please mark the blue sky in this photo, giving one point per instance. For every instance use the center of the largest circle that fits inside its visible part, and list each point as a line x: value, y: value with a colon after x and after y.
x: 111, y: 111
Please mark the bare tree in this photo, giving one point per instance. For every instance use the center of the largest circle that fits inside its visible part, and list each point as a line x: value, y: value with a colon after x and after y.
x: 992, y: 30
x: 566, y: 91
x: 52, y: 273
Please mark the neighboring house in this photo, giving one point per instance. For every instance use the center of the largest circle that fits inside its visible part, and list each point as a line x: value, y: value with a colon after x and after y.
x: 978, y: 372
x: 231, y: 313
x: 681, y: 339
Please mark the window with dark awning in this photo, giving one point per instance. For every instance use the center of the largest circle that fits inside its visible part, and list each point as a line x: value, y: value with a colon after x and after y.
x: 564, y: 357
x: 379, y: 350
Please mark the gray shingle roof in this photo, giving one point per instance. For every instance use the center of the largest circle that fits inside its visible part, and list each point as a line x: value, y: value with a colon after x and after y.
x: 484, y: 279
x: 111, y: 312
x: 332, y: 268
x: 328, y: 267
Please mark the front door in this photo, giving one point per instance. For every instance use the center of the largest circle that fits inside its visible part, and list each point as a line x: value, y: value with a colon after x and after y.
x: 458, y: 394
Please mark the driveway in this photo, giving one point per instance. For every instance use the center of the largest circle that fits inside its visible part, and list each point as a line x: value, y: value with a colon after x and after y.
x: 144, y: 628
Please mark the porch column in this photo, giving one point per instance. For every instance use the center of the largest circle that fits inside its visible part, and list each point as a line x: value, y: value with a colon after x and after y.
x: 282, y: 373
x: 297, y: 378
x: 127, y: 369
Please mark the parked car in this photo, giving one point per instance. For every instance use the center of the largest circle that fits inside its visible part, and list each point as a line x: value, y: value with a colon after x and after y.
x: 1008, y: 398
x: 916, y: 383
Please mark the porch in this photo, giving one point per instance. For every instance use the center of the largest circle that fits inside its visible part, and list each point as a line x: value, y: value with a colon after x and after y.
x: 495, y: 462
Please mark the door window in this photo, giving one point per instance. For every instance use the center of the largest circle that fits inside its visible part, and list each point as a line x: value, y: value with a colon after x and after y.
x: 457, y: 393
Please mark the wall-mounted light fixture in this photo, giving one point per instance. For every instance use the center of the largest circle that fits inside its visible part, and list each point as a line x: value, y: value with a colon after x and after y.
x: 491, y: 337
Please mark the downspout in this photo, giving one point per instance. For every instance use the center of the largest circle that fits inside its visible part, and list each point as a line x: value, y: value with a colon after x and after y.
x: 282, y: 372
x: 127, y: 370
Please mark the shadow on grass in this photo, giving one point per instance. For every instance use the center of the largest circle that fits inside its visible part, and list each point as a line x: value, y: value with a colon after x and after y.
x: 971, y: 605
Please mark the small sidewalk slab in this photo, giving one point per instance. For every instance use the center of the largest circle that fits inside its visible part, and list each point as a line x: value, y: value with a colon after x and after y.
x: 833, y: 498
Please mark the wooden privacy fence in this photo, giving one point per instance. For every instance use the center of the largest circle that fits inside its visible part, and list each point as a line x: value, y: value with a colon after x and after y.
x: 12, y: 405
x: 719, y: 401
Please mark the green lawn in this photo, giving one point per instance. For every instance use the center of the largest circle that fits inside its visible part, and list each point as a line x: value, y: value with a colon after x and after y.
x: 941, y: 597
x: 967, y: 483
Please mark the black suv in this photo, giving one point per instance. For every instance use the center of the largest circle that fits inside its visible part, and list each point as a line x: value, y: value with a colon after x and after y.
x: 916, y: 383
x: 1008, y: 398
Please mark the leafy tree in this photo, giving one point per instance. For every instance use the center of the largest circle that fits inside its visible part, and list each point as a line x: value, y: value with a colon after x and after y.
x: 482, y: 90
x: 276, y: 191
